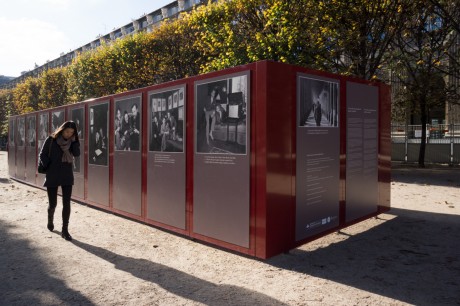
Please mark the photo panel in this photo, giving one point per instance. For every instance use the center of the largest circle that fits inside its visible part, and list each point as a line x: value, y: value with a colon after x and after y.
x: 319, y: 104
x: 221, y: 116
x: 127, y: 124
x: 31, y: 131
x: 57, y: 120
x: 317, y: 165
x: 167, y: 124
x: 21, y: 141
x: 98, y: 137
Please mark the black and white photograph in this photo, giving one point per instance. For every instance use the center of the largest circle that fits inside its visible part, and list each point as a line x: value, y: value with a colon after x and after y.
x: 57, y: 120
x: 319, y: 103
x: 98, y: 137
x: 77, y: 116
x: 21, y: 132
x: 127, y: 124
x: 167, y: 124
x: 221, y: 116
x: 31, y: 131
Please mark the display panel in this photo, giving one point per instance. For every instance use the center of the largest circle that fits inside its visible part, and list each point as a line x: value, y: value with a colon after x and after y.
x: 42, y: 129
x: 98, y: 136
x: 166, y: 159
x: 221, y: 171
x: 127, y: 125
x: 362, y: 150
x: 318, y: 155
x: 127, y: 160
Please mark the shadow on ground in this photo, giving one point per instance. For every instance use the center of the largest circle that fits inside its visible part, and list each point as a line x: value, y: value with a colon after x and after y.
x: 413, y: 257
x: 180, y: 283
x: 25, y: 279
x: 436, y: 175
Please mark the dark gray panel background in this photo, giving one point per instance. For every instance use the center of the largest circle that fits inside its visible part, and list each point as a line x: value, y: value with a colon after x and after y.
x: 221, y: 199
x: 98, y: 184
x: 31, y: 167
x: 317, y: 173
x: 221, y: 206
x: 362, y: 150
x: 127, y: 181
x: 79, y: 178
x: 20, y: 163
x: 166, y: 188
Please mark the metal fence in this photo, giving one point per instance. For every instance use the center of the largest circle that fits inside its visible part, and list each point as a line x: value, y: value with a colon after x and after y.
x: 442, y: 143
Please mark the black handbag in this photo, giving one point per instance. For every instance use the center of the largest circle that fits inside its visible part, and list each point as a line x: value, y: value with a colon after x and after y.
x: 42, y: 167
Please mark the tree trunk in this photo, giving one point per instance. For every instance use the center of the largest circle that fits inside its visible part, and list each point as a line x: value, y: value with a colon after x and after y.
x: 424, y: 117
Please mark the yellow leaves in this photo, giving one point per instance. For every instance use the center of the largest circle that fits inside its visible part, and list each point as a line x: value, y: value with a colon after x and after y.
x: 420, y: 62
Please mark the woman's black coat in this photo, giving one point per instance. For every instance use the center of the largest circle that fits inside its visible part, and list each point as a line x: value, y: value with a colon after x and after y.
x: 59, y: 173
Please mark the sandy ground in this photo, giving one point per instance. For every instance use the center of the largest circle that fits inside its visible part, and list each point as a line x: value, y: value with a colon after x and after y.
x: 410, y: 255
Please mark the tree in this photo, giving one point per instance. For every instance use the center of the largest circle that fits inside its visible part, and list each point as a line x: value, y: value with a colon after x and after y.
x: 5, y: 110
x: 26, y: 95
x: 419, y: 51
x: 53, y: 88
x: 356, y: 34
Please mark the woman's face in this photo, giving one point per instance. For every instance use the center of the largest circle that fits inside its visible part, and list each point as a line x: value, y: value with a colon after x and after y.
x: 126, y: 117
x: 67, y: 133
x: 118, y: 113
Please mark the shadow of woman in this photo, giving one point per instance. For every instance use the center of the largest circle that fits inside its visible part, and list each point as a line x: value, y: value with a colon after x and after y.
x: 180, y: 283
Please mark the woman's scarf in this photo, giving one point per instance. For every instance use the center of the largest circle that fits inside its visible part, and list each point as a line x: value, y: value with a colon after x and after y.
x: 65, y: 146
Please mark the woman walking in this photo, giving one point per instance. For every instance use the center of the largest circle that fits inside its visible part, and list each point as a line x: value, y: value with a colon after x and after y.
x: 64, y: 146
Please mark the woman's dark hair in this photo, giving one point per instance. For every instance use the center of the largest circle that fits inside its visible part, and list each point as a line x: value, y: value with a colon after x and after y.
x: 65, y: 125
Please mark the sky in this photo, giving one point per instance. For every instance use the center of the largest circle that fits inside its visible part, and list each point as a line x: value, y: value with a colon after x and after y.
x: 34, y: 31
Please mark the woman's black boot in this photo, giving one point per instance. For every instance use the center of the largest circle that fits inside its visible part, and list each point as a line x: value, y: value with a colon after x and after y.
x: 50, y: 224
x: 65, y: 232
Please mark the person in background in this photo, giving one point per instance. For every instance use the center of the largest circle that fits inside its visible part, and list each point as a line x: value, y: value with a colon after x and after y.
x: 65, y: 145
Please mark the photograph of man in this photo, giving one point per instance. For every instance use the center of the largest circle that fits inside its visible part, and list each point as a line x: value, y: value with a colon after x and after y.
x: 318, y: 103
x: 172, y: 125
x: 31, y: 133
x: 221, y: 113
x: 135, y: 127
x: 155, y: 137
